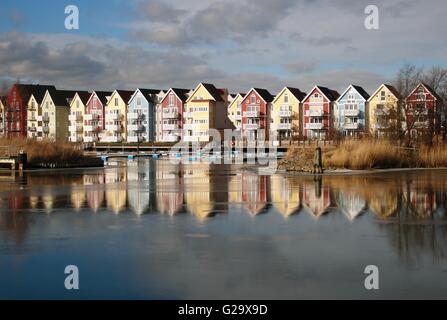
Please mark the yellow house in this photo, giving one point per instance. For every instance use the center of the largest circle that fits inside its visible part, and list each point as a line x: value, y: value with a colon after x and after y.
x: 76, y: 117
x: 235, y: 111
x: 285, y: 195
x: 34, y: 112
x: 384, y: 111
x: 206, y: 108
x: 55, y: 111
x: 286, y: 113
x: 116, y: 116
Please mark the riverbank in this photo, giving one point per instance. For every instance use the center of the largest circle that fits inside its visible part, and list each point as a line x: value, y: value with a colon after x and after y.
x: 49, y: 154
x: 361, y: 155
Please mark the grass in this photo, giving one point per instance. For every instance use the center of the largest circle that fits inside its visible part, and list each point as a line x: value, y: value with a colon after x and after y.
x: 369, y: 154
x: 48, y: 154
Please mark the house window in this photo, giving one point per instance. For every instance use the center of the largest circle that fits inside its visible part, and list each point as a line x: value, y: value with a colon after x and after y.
x: 171, y: 99
x: 116, y: 102
x: 253, y: 99
x: 286, y: 98
x: 382, y: 95
x: 77, y: 103
x: 138, y: 101
x: 316, y: 95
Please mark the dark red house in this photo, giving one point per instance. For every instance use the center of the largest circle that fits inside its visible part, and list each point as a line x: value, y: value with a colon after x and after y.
x: 256, y: 107
x: 172, y: 108
x: 423, y: 111
x: 16, y: 107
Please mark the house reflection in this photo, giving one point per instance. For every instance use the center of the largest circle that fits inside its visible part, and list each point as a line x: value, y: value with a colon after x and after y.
x: 169, y: 186
x: 255, y: 192
x: 316, y: 197
x: 285, y: 195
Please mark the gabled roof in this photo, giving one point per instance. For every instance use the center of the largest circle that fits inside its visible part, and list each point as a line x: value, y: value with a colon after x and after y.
x: 3, y: 100
x: 390, y: 88
x: 297, y: 93
x: 26, y: 90
x: 102, y: 96
x: 125, y: 95
x: 331, y: 95
x: 148, y: 94
x: 213, y: 91
x: 62, y: 97
x: 359, y: 90
x: 182, y: 94
x: 241, y: 95
x: 84, y: 96
x: 428, y: 88
x: 263, y: 93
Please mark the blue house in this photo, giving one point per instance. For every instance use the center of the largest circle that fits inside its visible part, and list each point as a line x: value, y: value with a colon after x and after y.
x: 141, y: 113
x: 350, y: 111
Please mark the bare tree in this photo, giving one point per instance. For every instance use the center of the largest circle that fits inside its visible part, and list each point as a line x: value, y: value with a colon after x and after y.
x: 407, y: 79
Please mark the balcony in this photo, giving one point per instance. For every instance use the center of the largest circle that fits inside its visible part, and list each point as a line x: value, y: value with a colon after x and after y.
x: 32, y: 129
x: 39, y: 118
x: 189, y: 126
x: 238, y: 117
x: 352, y: 113
x: 91, y: 128
x: 169, y: 127
x: 113, y: 139
x: 89, y: 117
x: 252, y: 114
x: 170, y: 115
x: 315, y: 113
x: 90, y: 139
x: 135, y: 116
x: 76, y: 128
x: 351, y: 126
x: 76, y: 139
x: 45, y: 118
x: 46, y: 129
x: 170, y: 138
x: 135, y: 139
x: 135, y: 127
x: 381, y: 126
x: 314, y: 126
x: 39, y: 129
x: 251, y: 126
x: 188, y: 114
x: 190, y: 138
x: 114, y: 127
x: 285, y: 126
x: 285, y: 113
x: 75, y: 117
x: 113, y: 116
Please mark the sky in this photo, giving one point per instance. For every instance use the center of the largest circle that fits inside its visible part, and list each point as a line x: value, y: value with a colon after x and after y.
x: 237, y: 44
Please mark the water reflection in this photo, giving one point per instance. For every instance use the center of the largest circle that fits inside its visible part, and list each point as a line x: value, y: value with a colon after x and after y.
x: 409, y: 206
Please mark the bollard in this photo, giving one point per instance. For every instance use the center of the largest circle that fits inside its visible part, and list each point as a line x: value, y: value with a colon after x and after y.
x: 318, y: 161
x: 23, y: 159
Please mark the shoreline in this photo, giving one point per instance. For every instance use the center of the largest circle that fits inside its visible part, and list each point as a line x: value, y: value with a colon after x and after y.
x: 346, y: 172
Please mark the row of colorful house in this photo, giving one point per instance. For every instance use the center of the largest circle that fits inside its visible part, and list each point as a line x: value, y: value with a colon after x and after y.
x: 44, y: 112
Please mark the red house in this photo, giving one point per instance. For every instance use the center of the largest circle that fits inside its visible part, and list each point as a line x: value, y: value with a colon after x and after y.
x: 318, y: 113
x: 17, y: 106
x: 94, y: 115
x: 172, y: 108
x: 423, y: 111
x: 255, y: 108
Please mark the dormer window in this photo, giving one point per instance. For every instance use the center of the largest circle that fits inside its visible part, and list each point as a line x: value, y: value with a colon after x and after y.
x: 116, y: 102
x: 253, y: 99
x: 171, y: 99
x: 286, y: 98
x: 382, y: 95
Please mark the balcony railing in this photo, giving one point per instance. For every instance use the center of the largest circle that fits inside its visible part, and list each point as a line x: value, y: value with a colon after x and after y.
x: 170, y: 115
x: 75, y: 117
x: 189, y: 126
x: 113, y: 116
x: 285, y: 113
x: 90, y: 138
x: 188, y: 114
x: 135, y: 139
x: 91, y: 116
x: 251, y: 114
x: 32, y: 129
x: 170, y: 127
x: 76, y: 128
x: 238, y: 117
x: 352, y: 113
x: 285, y: 126
x: 135, y: 115
x: 314, y: 113
x: 351, y: 126
x: 114, y: 127
x: 135, y: 127
x: 45, y: 118
x: 170, y: 138
x: 314, y: 126
x: 251, y: 126
x: 113, y: 139
x: 91, y: 128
